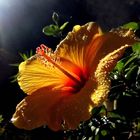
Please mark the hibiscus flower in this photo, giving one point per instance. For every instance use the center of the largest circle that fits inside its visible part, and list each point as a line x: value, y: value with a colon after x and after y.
x: 65, y: 85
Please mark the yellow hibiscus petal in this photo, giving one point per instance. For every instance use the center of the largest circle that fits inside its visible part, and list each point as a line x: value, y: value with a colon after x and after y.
x: 73, y: 109
x: 34, y: 75
x: 35, y: 110
x: 108, y: 43
x: 86, y: 45
x: 75, y: 46
x: 105, y: 66
x: 77, y: 107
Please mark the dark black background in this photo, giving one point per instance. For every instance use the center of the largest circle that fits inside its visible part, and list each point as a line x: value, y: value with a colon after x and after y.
x: 21, y: 23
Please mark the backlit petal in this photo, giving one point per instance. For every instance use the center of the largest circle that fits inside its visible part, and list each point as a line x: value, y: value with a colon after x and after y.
x: 35, y: 110
x: 104, y: 67
x: 34, y: 75
x: 106, y: 44
x: 75, y: 109
x: 78, y: 106
x: 86, y: 45
x: 76, y: 46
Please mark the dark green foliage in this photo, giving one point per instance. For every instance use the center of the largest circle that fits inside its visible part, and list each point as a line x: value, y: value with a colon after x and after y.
x: 24, y: 56
x: 27, y: 55
x: 54, y: 29
x: 132, y: 26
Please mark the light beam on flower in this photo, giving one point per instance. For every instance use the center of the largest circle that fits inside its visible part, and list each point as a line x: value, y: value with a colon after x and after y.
x: 63, y: 86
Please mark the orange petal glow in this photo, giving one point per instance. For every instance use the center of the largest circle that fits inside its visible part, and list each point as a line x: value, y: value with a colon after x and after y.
x: 76, y: 47
x: 62, y: 93
x: 105, y: 66
x: 34, y: 75
x: 35, y: 110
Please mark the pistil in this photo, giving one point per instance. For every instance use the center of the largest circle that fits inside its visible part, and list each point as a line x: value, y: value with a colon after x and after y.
x: 48, y: 55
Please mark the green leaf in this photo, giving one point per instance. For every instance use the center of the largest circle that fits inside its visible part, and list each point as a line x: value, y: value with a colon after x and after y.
x: 127, y: 94
x: 136, y: 48
x: 14, y: 65
x: 104, y: 132
x: 138, y: 126
x: 54, y: 30
x: 27, y: 55
x: 31, y: 53
x: 63, y: 26
x: 130, y: 73
x: 93, y: 128
x: 130, y: 60
x: 51, y: 30
x: 97, y: 137
x: 131, y: 25
x: 115, y: 116
x: 103, y: 110
x: 24, y: 56
x: 96, y: 110
x: 97, y: 131
x: 14, y: 78
x: 119, y: 65
x: 1, y: 118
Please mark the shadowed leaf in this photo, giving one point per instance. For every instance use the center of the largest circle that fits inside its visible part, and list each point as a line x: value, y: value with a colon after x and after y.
x: 131, y: 25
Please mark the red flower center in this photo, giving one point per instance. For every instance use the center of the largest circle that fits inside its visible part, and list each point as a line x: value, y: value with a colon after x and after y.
x: 76, y: 77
